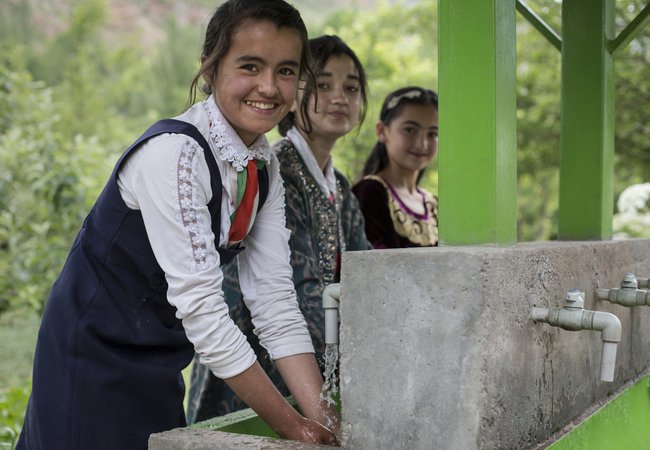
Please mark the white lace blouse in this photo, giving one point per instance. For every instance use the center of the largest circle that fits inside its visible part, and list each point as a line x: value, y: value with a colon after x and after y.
x: 169, y: 182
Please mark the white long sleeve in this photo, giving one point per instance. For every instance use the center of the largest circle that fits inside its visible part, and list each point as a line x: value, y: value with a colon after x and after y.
x: 168, y: 180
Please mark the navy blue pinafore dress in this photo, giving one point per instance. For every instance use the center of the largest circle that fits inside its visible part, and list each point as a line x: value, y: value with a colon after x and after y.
x: 110, y: 350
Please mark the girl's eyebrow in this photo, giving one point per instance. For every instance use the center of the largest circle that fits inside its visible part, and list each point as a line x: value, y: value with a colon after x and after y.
x: 259, y: 60
x: 330, y: 74
x: 412, y: 122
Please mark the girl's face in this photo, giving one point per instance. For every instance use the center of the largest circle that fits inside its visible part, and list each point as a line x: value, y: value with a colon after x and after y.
x: 339, y: 99
x: 411, y: 138
x: 256, y: 81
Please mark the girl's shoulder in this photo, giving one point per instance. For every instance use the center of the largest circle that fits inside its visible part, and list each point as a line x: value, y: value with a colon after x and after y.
x: 281, y: 147
x: 342, y: 179
x: 370, y: 183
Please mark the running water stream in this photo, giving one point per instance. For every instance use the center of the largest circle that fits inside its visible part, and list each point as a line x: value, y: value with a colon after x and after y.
x: 331, y: 385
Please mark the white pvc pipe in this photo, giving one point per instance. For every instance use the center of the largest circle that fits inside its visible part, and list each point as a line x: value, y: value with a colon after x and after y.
x: 608, y: 361
x: 580, y: 319
x: 331, y: 296
x: 331, y: 326
x: 539, y: 314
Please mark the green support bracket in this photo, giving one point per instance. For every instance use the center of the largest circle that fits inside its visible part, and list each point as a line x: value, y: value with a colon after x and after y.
x: 587, y: 131
x: 540, y: 25
x: 630, y: 32
x: 477, y: 182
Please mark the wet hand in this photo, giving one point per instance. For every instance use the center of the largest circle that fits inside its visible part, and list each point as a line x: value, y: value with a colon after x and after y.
x: 312, y: 432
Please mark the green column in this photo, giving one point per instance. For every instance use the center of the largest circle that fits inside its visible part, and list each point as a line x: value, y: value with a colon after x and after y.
x: 477, y: 182
x: 587, y: 139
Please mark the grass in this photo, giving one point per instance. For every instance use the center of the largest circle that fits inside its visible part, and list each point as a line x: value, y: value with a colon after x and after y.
x: 18, y: 334
x: 18, y: 337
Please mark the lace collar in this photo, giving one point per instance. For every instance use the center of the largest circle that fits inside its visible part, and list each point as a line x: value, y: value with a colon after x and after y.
x: 231, y: 148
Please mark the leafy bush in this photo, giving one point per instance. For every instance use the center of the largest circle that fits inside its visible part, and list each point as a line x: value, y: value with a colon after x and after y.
x: 13, y: 402
x: 48, y: 182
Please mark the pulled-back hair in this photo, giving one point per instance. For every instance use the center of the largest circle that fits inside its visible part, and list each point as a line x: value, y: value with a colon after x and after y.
x: 224, y: 23
x: 391, y: 108
x: 322, y: 49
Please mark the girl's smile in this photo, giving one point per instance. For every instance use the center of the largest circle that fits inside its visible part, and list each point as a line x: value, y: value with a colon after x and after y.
x: 411, y: 139
x: 256, y: 81
x: 339, y: 99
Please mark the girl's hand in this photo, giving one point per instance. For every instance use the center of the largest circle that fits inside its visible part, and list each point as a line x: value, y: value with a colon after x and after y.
x: 311, y: 432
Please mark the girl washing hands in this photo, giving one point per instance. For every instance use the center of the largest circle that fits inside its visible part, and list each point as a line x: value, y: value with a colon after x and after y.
x: 141, y: 290
x: 321, y: 211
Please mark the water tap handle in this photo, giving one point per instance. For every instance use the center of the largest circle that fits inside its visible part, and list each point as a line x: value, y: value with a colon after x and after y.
x: 574, y: 299
x: 629, y: 281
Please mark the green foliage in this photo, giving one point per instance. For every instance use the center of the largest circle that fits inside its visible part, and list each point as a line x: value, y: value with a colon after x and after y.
x: 394, y: 37
x: 13, y: 402
x: 173, y: 68
x: 48, y: 180
x: 538, y: 130
x: 72, y: 102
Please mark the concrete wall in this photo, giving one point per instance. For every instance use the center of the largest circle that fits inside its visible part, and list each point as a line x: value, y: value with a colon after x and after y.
x: 438, y: 349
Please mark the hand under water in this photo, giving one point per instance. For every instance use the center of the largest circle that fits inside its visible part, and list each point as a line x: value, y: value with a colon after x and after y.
x: 312, y: 432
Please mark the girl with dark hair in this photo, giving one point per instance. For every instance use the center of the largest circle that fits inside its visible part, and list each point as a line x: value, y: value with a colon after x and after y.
x: 397, y: 212
x: 141, y: 290
x: 321, y: 211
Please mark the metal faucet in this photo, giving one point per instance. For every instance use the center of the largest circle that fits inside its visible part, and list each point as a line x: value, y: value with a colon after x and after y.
x: 628, y: 294
x: 572, y: 316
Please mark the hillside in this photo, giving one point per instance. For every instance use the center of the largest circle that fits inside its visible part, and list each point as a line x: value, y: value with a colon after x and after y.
x: 147, y: 17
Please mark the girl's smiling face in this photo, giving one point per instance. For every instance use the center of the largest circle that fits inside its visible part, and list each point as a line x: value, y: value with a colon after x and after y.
x: 411, y: 138
x: 256, y: 81
x: 337, y: 109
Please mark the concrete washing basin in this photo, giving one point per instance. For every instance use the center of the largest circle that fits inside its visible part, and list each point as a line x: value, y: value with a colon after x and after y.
x: 621, y: 423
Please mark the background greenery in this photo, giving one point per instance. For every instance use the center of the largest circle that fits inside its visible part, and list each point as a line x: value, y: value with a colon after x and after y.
x: 80, y: 79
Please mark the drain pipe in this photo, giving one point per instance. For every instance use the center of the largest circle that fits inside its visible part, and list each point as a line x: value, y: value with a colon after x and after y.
x: 629, y: 293
x: 331, y: 296
x: 572, y: 316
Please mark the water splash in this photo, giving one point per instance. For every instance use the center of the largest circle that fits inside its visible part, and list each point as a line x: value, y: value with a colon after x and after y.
x: 331, y: 385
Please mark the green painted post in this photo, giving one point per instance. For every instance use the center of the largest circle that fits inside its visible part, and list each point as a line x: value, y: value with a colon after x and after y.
x: 587, y: 139
x: 477, y: 181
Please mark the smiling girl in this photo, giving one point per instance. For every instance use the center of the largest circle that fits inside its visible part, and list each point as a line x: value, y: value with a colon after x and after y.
x: 322, y: 213
x: 141, y: 290
x: 397, y: 212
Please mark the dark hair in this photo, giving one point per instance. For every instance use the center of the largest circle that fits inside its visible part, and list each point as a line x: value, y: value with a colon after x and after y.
x: 391, y: 108
x: 322, y: 49
x: 224, y: 23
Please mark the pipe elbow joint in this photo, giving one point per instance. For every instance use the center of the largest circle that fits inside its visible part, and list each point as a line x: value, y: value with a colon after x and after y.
x: 609, y: 325
x: 331, y: 296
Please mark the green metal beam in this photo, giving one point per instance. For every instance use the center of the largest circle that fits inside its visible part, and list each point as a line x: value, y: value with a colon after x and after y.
x: 587, y: 130
x: 540, y: 25
x: 477, y: 182
x: 632, y: 30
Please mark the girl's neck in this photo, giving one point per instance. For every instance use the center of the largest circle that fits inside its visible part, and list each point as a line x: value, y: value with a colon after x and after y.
x: 320, y: 147
x: 401, y: 180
